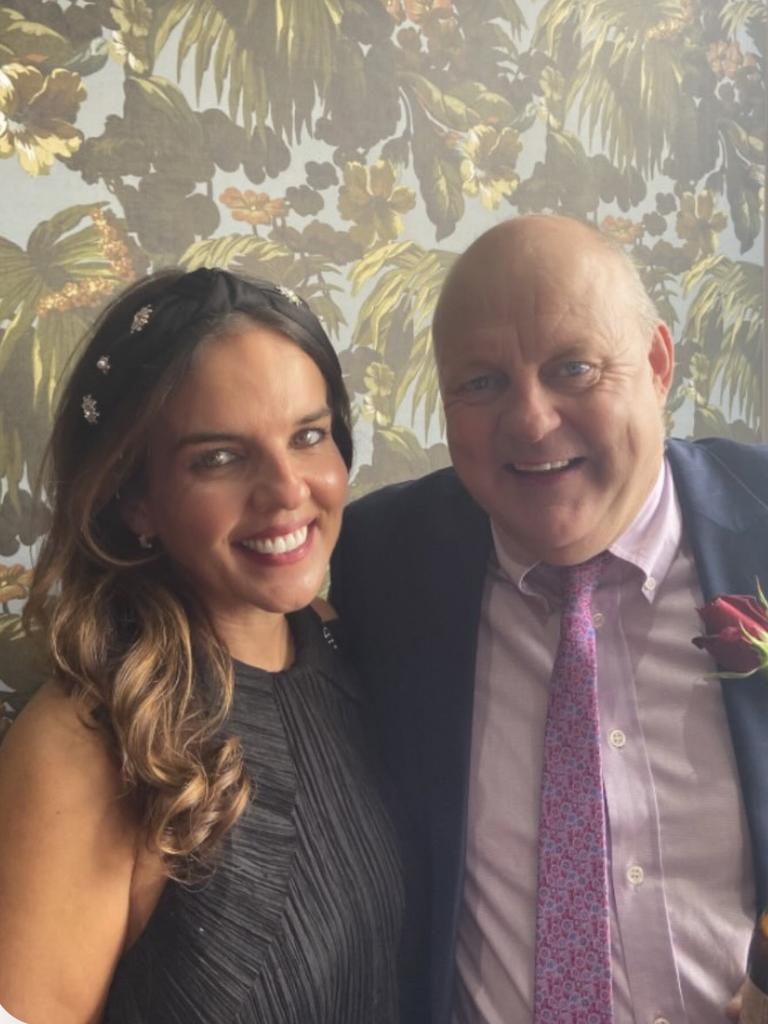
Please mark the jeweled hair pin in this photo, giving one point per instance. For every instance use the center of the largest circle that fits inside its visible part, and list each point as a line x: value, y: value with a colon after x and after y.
x: 141, y: 319
x: 289, y: 294
x: 90, y: 409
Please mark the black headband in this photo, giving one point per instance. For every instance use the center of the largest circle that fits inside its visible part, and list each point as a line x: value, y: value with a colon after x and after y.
x: 151, y: 336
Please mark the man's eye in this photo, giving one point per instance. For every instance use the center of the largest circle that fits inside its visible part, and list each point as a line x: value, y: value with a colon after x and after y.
x: 214, y: 459
x: 482, y: 382
x: 309, y: 437
x: 575, y: 372
x: 574, y: 368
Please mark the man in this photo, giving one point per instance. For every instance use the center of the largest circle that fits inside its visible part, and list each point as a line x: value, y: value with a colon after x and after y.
x: 554, y: 369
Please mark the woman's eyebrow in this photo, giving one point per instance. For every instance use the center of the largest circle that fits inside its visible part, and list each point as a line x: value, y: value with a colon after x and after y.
x: 209, y: 436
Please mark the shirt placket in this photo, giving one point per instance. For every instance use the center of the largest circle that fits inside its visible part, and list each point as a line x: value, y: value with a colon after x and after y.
x: 641, y: 934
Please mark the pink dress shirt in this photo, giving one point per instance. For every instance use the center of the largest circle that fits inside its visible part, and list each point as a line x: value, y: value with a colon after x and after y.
x: 682, y: 892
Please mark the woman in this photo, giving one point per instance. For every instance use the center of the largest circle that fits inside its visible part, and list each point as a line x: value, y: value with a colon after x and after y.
x: 183, y: 842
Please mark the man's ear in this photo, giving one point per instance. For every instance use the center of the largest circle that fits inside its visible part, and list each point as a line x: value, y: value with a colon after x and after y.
x: 661, y: 356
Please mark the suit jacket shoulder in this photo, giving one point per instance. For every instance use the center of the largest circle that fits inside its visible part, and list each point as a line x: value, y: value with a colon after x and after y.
x: 399, y: 548
x: 722, y: 487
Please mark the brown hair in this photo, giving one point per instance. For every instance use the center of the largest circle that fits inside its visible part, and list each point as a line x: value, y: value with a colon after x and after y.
x: 124, y: 633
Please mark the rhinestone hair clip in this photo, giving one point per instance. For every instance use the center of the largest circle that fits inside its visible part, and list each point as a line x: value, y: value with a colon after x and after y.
x: 141, y: 319
x: 90, y: 409
x: 289, y: 294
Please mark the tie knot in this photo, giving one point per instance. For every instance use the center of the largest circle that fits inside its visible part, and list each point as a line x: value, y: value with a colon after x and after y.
x: 580, y: 581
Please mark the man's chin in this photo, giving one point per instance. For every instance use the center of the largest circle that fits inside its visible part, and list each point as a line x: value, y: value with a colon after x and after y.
x: 559, y: 544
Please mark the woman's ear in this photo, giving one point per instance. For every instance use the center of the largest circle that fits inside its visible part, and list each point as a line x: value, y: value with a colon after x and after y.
x: 135, y: 514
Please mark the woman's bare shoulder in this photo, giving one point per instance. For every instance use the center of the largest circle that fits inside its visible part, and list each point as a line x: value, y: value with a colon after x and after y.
x: 53, y: 745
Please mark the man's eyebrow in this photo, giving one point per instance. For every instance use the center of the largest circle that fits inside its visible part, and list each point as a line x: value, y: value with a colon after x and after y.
x: 228, y: 437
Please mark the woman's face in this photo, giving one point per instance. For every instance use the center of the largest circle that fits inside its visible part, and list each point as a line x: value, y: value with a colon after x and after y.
x: 245, y: 485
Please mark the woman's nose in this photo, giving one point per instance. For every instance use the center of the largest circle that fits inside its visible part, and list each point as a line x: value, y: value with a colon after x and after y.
x: 280, y: 483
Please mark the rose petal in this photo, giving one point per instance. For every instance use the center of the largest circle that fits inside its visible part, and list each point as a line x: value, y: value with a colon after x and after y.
x: 731, y: 610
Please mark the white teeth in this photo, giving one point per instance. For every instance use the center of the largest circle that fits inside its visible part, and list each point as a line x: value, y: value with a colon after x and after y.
x: 278, y: 545
x: 541, y: 467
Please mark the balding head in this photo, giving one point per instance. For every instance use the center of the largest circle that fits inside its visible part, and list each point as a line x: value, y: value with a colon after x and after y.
x: 553, y: 368
x: 519, y: 250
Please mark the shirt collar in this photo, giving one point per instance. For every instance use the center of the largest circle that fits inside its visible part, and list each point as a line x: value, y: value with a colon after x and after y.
x: 649, y: 544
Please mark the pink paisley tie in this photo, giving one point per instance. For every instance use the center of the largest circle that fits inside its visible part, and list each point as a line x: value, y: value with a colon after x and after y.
x: 573, y: 964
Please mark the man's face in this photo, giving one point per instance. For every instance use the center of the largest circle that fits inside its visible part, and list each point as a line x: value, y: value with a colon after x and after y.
x: 553, y: 391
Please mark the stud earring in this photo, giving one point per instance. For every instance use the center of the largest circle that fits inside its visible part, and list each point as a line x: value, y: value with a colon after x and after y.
x: 145, y: 541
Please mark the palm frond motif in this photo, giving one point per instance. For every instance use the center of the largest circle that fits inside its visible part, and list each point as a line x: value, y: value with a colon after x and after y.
x: 264, y: 258
x: 401, y: 303
x: 49, y: 293
x: 274, y: 59
x: 737, y: 15
x: 726, y: 322
x: 629, y: 70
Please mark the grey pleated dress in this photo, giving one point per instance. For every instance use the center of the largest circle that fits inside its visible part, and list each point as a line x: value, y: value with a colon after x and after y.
x: 299, y: 923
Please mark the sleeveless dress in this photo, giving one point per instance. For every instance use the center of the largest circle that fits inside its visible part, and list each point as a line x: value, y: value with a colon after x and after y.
x: 299, y: 922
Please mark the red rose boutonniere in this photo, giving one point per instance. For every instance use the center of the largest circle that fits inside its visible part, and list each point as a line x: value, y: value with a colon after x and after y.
x: 736, y: 633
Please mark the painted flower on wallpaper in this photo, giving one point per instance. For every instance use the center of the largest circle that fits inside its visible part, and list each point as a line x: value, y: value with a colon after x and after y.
x: 488, y: 165
x: 130, y: 43
x: 37, y: 114
x: 370, y: 198
x: 379, y: 380
x: 698, y: 223
x: 416, y: 10
x: 622, y: 229
x: 92, y: 291
x: 725, y: 58
x: 14, y: 583
x: 253, y: 207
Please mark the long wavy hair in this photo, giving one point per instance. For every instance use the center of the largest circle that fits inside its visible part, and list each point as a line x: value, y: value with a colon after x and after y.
x: 125, y: 634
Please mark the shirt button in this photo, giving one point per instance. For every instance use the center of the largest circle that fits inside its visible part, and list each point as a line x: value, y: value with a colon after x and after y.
x: 617, y: 738
x: 635, y: 874
x: 650, y: 584
x: 598, y: 619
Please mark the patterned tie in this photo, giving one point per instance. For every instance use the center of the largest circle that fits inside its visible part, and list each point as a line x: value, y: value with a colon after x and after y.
x: 573, y: 962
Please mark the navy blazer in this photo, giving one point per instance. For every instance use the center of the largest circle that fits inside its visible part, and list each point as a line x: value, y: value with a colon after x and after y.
x: 407, y: 581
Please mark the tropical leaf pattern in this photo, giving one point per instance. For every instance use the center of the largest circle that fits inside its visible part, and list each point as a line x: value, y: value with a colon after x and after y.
x: 349, y: 149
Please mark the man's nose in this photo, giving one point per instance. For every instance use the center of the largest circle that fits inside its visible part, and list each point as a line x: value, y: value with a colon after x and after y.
x: 530, y: 413
x: 279, y: 482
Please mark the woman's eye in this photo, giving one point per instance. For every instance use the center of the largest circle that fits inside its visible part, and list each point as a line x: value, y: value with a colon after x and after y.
x: 309, y: 437
x: 214, y: 459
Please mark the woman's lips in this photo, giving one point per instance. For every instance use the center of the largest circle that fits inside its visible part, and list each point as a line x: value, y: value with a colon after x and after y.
x: 279, y: 549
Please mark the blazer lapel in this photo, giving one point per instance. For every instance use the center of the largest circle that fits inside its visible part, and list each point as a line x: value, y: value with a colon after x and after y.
x: 727, y: 527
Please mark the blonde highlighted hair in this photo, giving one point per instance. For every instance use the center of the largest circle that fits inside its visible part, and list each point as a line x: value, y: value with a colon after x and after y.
x: 126, y: 633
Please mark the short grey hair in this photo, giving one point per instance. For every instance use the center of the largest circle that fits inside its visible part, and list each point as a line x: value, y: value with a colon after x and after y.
x: 644, y: 305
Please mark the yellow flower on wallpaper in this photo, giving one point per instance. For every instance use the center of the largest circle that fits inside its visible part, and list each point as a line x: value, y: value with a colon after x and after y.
x: 699, y: 223
x: 130, y: 43
x: 622, y: 229
x: 370, y: 198
x: 379, y: 381
x: 488, y: 167
x: 252, y: 207
x: 37, y: 112
x: 14, y: 583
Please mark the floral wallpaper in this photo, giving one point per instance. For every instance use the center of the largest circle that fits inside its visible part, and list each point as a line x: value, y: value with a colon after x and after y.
x: 349, y: 149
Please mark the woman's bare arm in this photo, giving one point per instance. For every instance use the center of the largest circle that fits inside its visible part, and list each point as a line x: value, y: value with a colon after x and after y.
x: 67, y: 855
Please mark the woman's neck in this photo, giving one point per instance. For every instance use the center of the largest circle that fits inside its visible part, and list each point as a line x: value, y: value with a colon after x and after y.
x: 263, y: 641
